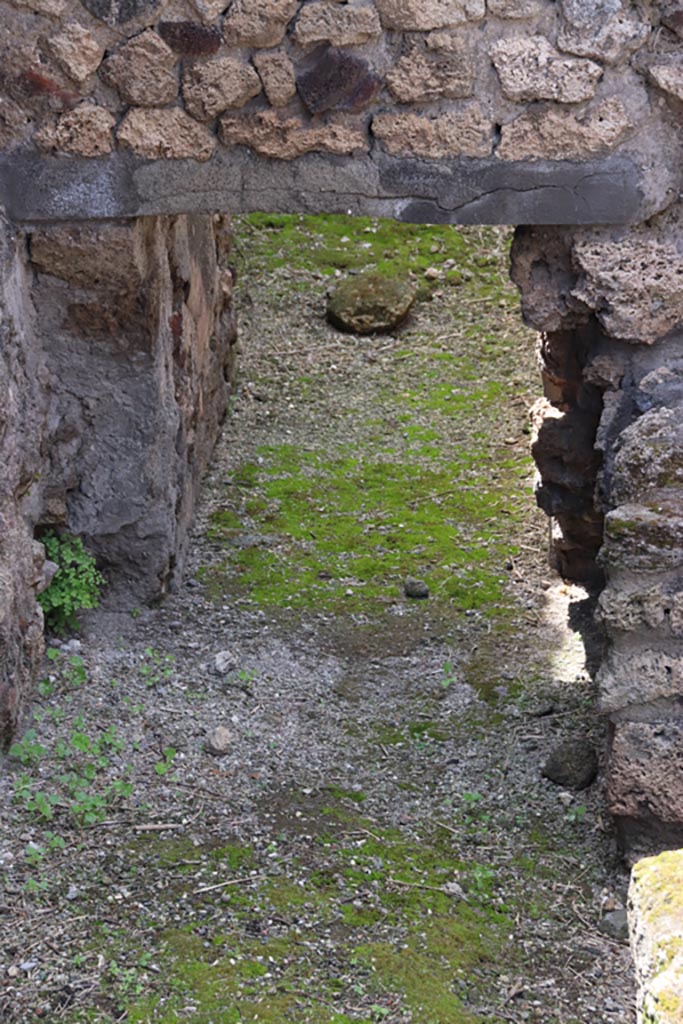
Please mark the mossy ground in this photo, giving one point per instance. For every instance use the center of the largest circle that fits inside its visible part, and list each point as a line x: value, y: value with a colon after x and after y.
x: 364, y: 925
x: 421, y: 480
x: 378, y: 845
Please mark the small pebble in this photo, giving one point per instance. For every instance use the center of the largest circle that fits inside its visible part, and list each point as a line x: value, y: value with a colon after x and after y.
x: 219, y: 741
x: 224, y: 661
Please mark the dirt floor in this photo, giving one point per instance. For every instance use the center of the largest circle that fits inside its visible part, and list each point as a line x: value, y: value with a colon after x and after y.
x: 293, y: 793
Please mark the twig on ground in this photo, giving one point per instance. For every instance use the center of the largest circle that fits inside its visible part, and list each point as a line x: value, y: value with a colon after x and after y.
x: 224, y: 885
x: 165, y: 827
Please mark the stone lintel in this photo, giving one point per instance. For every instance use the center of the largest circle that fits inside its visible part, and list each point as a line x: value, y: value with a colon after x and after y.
x: 467, y: 191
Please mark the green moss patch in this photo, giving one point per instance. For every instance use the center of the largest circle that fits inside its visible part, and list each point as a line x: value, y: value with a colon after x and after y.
x: 417, y: 481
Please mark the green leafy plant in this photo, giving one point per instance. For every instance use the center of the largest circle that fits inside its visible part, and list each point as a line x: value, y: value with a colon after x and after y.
x: 449, y: 675
x: 76, y: 583
x: 575, y: 815
x: 82, y: 788
x: 69, y: 673
x: 163, y: 767
x: 28, y: 750
x: 156, y: 667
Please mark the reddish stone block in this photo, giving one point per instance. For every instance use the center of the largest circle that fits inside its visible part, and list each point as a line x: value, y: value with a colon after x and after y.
x: 190, y: 38
x: 337, y: 80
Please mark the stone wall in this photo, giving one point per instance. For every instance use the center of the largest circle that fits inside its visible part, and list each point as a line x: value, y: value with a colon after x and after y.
x: 608, y: 442
x: 115, y: 365
x: 22, y: 425
x: 500, y: 111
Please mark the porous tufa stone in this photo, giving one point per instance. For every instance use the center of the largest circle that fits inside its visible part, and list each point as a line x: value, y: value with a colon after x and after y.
x: 549, y: 134
x: 423, y: 15
x: 168, y: 133
x: 77, y: 52
x: 336, y: 25
x: 269, y: 133
x: 258, y: 22
x: 225, y: 83
x: 464, y: 132
x: 86, y: 131
x: 277, y: 75
x: 141, y: 71
x: 532, y: 69
x: 419, y: 77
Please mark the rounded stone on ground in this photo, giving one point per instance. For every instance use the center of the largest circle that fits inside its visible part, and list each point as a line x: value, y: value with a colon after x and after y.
x: 573, y: 764
x: 415, y: 588
x: 615, y: 925
x: 370, y: 303
x: 219, y: 741
x: 224, y: 661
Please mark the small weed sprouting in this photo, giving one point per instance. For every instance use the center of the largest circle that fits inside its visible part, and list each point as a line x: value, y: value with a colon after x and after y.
x: 449, y: 676
x: 575, y: 815
x: 76, y: 584
x: 69, y: 673
x: 80, y: 789
x: 156, y: 667
x: 28, y: 750
x: 164, y: 766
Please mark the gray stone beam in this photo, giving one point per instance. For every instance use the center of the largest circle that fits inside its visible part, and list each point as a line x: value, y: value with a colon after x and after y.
x: 36, y: 188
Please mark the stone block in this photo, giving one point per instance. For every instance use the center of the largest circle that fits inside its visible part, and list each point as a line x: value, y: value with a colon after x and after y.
x: 633, y: 281
x: 562, y: 447
x: 118, y: 12
x: 424, y: 15
x: 225, y: 83
x: 278, y: 77
x: 632, y: 678
x: 138, y: 353
x: 646, y: 773
x: 464, y: 132
x: 644, y: 539
x: 672, y: 16
x: 516, y: 9
x: 86, y: 131
x: 445, y: 41
x: 14, y: 123
x: 258, y: 22
x: 168, y: 133
x: 628, y: 609
x: 605, y: 30
x: 87, y: 256
x: 542, y: 270
x: 209, y: 10
x: 655, y: 911
x: 142, y: 71
x: 531, y: 69
x: 419, y: 77
x: 337, y: 80
x: 549, y: 134
x: 649, y: 459
x: 190, y: 38
x: 77, y: 51
x: 323, y: 22
x: 270, y: 134
x: 667, y: 76
x: 50, y: 8
x: 23, y: 416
